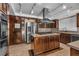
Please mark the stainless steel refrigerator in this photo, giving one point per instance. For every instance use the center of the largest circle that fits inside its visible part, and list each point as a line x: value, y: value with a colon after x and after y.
x: 3, y: 34
x: 30, y: 30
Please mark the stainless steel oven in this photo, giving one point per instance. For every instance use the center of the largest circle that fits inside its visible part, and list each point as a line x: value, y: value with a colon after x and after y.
x: 3, y: 29
x: 3, y: 34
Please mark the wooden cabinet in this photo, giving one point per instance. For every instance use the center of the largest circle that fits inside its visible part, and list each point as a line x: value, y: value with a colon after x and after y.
x: 4, y: 7
x: 1, y: 6
x: 77, y: 20
x: 47, y: 25
x: 55, y: 23
x: 18, y: 31
x: 38, y: 45
x: 56, y: 41
x: 15, y: 35
x: 45, y: 43
x: 65, y: 38
x: 11, y: 30
x: 51, y: 43
x: 74, y: 52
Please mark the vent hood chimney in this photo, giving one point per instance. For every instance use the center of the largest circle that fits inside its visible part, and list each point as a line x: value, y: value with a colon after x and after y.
x: 45, y: 20
x: 43, y: 13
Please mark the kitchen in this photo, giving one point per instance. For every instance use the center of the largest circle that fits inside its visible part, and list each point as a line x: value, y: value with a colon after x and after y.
x: 36, y: 29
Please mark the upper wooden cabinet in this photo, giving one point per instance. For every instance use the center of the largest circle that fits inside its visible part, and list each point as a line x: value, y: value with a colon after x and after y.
x: 15, y: 34
x: 4, y: 7
x: 78, y: 20
x: 1, y: 6
x: 49, y: 25
x: 55, y: 23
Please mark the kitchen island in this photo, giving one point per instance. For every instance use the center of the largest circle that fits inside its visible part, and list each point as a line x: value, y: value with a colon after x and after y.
x: 45, y: 42
x: 74, y: 48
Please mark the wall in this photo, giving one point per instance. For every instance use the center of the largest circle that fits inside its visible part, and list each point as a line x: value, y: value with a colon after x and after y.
x: 69, y: 24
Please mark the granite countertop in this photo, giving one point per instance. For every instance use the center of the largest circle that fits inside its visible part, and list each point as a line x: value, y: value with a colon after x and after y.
x: 70, y: 32
x: 74, y: 45
x: 39, y: 35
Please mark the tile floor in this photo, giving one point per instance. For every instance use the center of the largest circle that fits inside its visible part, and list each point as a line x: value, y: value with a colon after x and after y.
x: 19, y: 50
x: 22, y: 50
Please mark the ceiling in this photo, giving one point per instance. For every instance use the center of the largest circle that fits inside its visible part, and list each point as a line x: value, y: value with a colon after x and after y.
x: 53, y: 10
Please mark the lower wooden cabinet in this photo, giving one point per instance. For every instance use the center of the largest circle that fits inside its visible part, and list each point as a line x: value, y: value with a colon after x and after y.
x: 38, y: 45
x: 57, y: 41
x: 65, y: 38
x: 45, y: 43
x: 74, y: 52
x: 51, y: 42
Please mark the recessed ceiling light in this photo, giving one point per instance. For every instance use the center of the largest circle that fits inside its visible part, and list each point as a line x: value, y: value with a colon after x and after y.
x: 64, y: 6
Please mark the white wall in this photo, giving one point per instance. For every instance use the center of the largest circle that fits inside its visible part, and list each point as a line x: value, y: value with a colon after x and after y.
x: 69, y: 24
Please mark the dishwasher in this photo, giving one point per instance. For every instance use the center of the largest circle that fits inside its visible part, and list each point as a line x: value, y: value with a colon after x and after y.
x: 74, y: 37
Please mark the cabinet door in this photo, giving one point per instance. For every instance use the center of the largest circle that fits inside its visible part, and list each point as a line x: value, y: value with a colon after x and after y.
x: 65, y: 38
x: 11, y: 30
x: 5, y: 8
x: 56, y: 41
x: 77, y: 20
x: 51, y: 42
x: 0, y: 6
x: 46, y: 43
x: 38, y: 45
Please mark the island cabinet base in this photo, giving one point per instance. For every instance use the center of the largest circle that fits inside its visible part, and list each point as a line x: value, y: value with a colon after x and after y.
x: 45, y: 43
x: 74, y: 52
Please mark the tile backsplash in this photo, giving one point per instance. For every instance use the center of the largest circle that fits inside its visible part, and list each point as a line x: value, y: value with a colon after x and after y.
x: 44, y: 30
x: 55, y: 30
x: 52, y: 30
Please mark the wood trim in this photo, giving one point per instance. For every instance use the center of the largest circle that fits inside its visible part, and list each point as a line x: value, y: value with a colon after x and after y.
x: 26, y: 17
x: 67, y: 17
x: 78, y: 20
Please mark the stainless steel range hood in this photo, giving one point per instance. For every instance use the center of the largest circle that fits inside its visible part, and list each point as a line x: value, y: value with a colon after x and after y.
x: 45, y: 20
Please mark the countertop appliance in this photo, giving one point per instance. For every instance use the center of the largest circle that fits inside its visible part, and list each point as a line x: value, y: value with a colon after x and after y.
x: 3, y: 34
